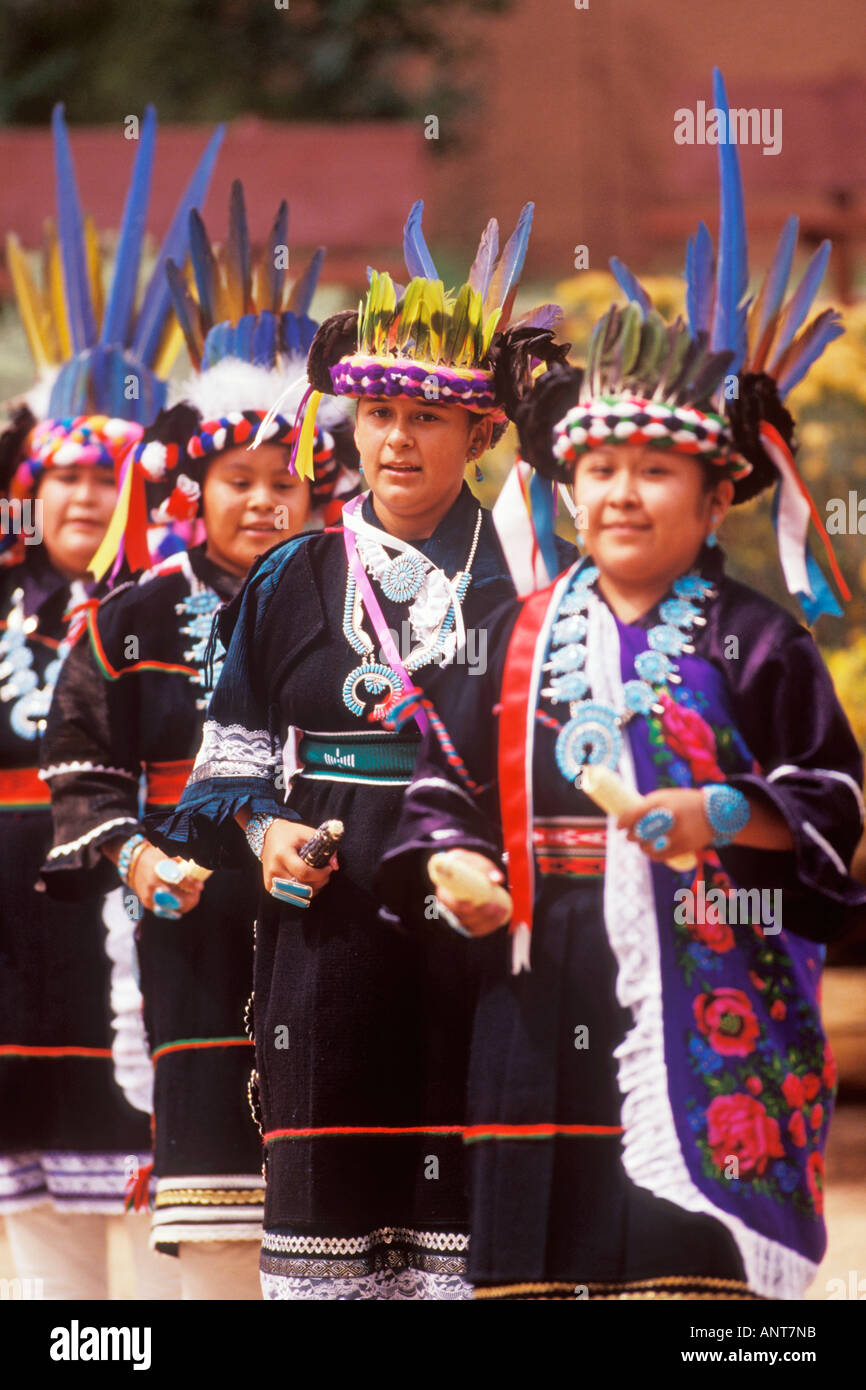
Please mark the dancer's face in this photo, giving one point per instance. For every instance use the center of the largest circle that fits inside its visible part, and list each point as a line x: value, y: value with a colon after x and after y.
x: 414, y: 454
x: 250, y: 501
x: 646, y: 512
x: 77, y: 504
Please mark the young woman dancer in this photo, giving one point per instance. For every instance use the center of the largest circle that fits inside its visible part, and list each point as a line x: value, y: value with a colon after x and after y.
x: 650, y: 1083
x: 132, y: 701
x: 70, y: 1139
x: 361, y: 1032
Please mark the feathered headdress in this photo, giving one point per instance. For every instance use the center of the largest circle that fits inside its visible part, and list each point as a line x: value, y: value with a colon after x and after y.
x: 248, y: 331
x: 101, y: 360
x: 712, y: 387
x: 421, y: 340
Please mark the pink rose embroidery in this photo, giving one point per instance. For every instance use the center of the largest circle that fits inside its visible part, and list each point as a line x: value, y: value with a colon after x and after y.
x: 738, y: 1126
x: 792, y: 1090
x: 815, y: 1180
x: 689, y: 736
x: 726, y: 1017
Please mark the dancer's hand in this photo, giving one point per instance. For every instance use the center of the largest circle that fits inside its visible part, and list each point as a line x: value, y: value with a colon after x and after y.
x: 480, y: 919
x: 690, y: 833
x: 280, y: 858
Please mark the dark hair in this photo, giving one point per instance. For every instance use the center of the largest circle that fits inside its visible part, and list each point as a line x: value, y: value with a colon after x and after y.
x: 12, y: 441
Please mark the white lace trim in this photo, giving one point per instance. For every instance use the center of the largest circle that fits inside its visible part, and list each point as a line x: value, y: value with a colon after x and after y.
x: 133, y: 1070
x: 60, y: 769
x: 230, y: 750
x: 73, y: 1181
x: 449, y: 1241
x: 383, y: 1285
x: 85, y: 839
x: 652, y: 1156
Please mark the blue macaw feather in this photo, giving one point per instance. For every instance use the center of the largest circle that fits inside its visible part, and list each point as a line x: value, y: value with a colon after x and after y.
x: 215, y: 344
x: 204, y: 267
x: 732, y: 274
x: 807, y: 349
x: 156, y: 302
x: 772, y: 293
x: 700, y: 287
x: 304, y: 288
x: 79, y: 393
x: 186, y: 310
x: 485, y: 259
x: 542, y: 316
x: 237, y: 255
x: 800, y: 303
x: 265, y: 339
x: 244, y: 330
x: 629, y: 284
x: 503, y: 283
x: 116, y: 373
x: 121, y: 299
x: 275, y: 275
x: 415, y: 252
x: 99, y: 378
x: 58, y: 399
x: 70, y: 228
x: 291, y: 335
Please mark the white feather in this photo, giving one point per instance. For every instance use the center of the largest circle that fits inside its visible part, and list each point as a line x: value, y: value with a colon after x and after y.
x: 234, y: 385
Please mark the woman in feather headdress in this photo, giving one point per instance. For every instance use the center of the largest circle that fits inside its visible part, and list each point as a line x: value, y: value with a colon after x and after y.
x: 122, y: 708
x: 650, y: 1085
x: 73, y: 1135
x: 361, y: 1036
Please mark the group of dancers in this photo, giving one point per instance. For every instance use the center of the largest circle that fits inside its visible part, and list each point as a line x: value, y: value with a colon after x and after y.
x: 334, y: 967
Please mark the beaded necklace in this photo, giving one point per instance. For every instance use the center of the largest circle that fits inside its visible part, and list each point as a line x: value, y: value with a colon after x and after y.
x: 436, y: 609
x: 593, y: 733
x: 20, y: 681
x: 200, y: 606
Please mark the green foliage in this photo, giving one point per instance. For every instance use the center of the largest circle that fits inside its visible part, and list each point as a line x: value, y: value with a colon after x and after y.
x: 328, y: 60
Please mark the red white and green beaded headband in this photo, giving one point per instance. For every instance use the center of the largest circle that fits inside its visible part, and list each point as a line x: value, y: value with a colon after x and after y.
x: 635, y: 420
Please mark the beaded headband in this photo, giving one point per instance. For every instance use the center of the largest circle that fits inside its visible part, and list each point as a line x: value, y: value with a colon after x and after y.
x: 382, y: 378
x: 212, y: 437
x: 618, y: 420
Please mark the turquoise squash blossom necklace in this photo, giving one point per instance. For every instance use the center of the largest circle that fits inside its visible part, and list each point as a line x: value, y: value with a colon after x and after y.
x: 593, y: 733
x: 406, y: 578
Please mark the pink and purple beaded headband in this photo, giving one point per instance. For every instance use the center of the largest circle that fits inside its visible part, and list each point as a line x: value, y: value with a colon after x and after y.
x: 382, y: 378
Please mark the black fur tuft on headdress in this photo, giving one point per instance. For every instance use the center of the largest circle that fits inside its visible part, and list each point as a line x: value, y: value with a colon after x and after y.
x: 758, y: 400
x: 542, y: 407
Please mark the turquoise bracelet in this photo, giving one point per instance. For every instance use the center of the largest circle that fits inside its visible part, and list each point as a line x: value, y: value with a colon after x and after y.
x: 124, y: 858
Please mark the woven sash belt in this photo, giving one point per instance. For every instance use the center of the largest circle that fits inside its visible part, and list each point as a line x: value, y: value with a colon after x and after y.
x: 357, y: 758
x: 166, y: 781
x: 21, y: 789
x: 571, y: 846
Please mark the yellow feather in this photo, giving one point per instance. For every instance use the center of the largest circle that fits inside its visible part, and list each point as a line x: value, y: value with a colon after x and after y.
x: 172, y: 342
x: 55, y: 290
x: 489, y: 330
x: 435, y: 295
x: 94, y: 269
x: 36, y: 323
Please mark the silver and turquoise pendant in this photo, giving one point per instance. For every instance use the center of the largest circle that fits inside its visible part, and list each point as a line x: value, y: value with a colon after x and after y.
x: 377, y: 678
x: 592, y: 736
